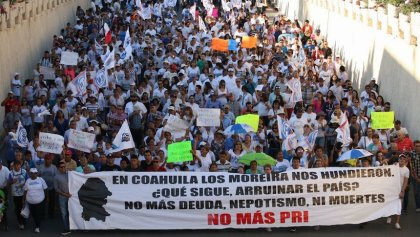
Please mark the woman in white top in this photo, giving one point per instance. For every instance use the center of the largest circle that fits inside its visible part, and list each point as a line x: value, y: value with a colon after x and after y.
x: 35, y: 193
x: 235, y: 154
x: 222, y: 92
x: 365, y: 141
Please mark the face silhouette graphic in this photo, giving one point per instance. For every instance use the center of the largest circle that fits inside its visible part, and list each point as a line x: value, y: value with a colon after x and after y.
x: 93, y: 196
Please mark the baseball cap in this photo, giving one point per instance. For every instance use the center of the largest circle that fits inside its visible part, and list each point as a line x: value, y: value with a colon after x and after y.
x: 33, y: 170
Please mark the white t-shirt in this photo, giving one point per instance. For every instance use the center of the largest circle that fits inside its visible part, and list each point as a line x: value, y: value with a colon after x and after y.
x: 35, y: 190
x: 404, y: 173
x: 37, y: 110
x: 205, y: 161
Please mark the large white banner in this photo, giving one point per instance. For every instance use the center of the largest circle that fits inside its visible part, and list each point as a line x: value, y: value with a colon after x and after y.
x: 195, y: 200
x: 69, y: 58
x: 51, y: 143
x: 208, y: 117
x: 81, y: 141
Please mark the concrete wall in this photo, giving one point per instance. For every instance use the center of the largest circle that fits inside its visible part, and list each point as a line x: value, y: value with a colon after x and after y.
x: 27, y: 31
x: 371, y: 46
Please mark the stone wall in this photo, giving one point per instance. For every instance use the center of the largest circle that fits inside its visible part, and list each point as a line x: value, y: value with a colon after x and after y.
x: 26, y: 31
x: 373, y: 43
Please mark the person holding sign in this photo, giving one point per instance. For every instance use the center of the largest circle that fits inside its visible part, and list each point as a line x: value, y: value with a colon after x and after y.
x: 404, y: 175
x: 203, y: 157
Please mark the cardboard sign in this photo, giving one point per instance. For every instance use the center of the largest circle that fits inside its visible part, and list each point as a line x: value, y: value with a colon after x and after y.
x: 252, y: 120
x: 219, y: 44
x: 180, y: 152
x: 48, y: 72
x: 69, y: 58
x: 382, y: 120
x: 81, y: 141
x: 249, y: 42
x: 208, y: 117
x: 51, y: 143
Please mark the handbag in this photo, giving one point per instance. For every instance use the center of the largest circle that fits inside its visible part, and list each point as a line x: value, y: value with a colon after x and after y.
x: 25, y: 211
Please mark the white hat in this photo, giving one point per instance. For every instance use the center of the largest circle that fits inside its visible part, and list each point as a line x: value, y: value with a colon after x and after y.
x: 33, y: 170
x: 171, y: 108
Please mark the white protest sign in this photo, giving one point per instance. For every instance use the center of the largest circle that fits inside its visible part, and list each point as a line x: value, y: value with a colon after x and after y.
x: 48, y: 72
x: 69, y: 58
x: 203, y: 200
x: 175, y: 126
x: 81, y: 141
x: 208, y: 117
x: 51, y: 143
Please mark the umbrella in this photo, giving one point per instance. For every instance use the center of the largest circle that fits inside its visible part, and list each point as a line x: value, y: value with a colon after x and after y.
x: 354, y: 154
x: 238, y: 128
x: 261, y: 158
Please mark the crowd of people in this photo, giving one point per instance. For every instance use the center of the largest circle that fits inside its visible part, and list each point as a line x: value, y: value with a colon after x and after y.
x: 172, y: 71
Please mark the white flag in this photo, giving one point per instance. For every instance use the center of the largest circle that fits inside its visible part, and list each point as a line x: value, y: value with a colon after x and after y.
x: 106, y: 55
x: 99, y: 48
x: 201, y: 24
x: 225, y: 6
x: 127, y: 54
x: 138, y: 3
x: 295, y: 87
x: 192, y: 11
x: 146, y: 13
x: 80, y: 82
x: 343, y: 131
x: 207, y: 5
x: 109, y: 61
x: 157, y: 10
x: 21, y: 136
x: 101, y: 78
x: 123, y: 140
x: 127, y: 39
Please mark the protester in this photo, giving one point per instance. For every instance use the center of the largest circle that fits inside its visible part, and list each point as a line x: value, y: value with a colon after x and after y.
x: 35, y: 193
x: 4, y: 177
x: 155, y: 73
x: 62, y: 189
x: 404, y: 175
x: 17, y: 179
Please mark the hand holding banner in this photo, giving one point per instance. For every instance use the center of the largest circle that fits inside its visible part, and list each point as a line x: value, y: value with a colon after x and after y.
x: 203, y: 200
x: 179, y: 152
